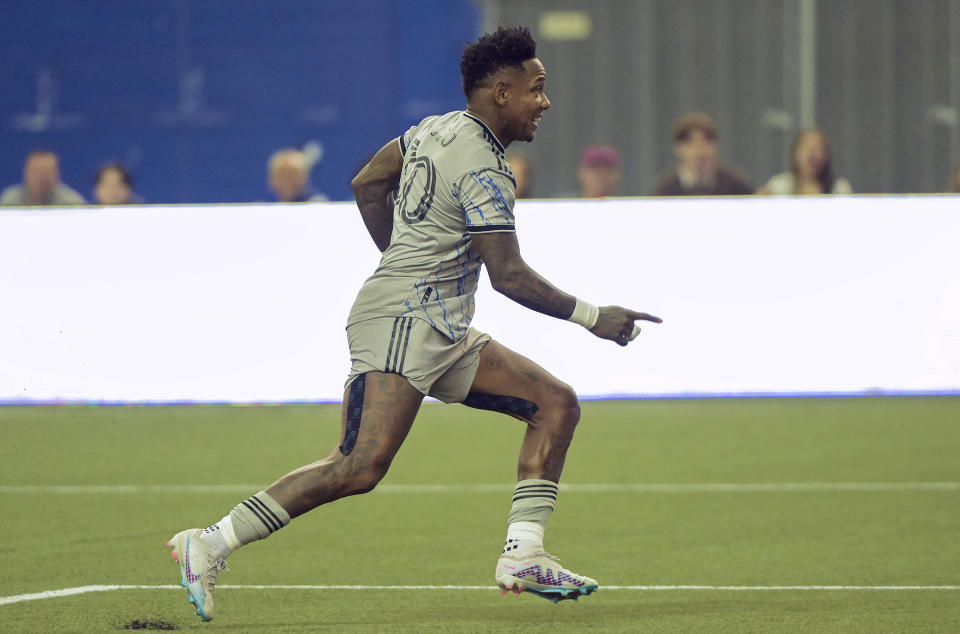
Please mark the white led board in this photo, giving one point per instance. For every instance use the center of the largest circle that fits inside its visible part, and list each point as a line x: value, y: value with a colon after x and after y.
x: 247, y: 303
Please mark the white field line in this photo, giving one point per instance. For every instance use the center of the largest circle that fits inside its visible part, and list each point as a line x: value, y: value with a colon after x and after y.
x: 696, y: 487
x: 66, y: 592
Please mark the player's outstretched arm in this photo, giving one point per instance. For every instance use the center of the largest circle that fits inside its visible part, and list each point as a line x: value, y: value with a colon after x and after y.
x: 511, y: 276
x: 372, y: 187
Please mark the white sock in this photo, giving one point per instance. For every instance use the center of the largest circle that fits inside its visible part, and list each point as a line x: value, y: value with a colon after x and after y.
x: 523, y: 538
x: 221, y: 538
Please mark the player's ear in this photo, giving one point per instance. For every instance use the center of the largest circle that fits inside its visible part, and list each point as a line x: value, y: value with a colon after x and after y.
x: 501, y: 91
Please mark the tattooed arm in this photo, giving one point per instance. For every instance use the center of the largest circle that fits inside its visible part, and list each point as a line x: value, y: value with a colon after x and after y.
x: 513, y: 277
x: 372, y: 188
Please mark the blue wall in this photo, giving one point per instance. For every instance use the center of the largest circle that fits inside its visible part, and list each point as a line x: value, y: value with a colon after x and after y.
x: 195, y: 95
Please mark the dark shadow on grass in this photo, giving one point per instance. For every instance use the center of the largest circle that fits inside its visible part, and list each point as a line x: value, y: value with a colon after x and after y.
x: 149, y: 624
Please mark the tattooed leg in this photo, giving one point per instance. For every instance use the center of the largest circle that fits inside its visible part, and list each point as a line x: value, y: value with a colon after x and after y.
x: 390, y: 405
x: 366, y: 449
x: 551, y: 424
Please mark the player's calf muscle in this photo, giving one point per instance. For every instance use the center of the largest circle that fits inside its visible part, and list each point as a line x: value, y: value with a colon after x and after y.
x: 544, y: 449
x: 542, y: 455
x: 545, y: 444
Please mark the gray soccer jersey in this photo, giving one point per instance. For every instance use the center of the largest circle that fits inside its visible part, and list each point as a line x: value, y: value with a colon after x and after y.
x: 455, y: 183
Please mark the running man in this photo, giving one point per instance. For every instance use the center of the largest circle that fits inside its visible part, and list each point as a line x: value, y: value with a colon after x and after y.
x: 409, y: 329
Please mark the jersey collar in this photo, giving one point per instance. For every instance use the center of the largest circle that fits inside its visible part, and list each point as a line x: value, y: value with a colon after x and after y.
x: 487, y: 131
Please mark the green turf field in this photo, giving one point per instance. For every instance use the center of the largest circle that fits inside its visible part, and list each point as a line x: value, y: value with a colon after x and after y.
x: 813, y: 533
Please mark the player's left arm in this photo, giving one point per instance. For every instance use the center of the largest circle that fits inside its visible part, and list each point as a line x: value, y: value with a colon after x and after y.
x: 373, y: 187
x: 487, y: 198
x: 513, y: 277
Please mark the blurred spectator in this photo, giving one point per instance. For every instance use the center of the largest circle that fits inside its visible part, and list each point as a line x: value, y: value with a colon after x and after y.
x: 953, y: 187
x: 811, y: 169
x: 114, y: 186
x: 41, y: 184
x: 697, y: 172
x: 522, y: 173
x: 288, y: 174
x: 599, y: 172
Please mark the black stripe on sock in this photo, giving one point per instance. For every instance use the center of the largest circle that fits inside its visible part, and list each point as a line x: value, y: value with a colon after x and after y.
x: 546, y: 494
x: 535, y: 490
x: 527, y: 497
x: 390, y: 347
x: 266, y: 508
x: 253, y: 508
x: 530, y: 486
x: 259, y: 515
x: 406, y: 344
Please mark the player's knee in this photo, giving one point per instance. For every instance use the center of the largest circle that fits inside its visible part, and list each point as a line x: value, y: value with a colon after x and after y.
x: 363, y: 483
x: 563, y: 406
x: 365, y: 477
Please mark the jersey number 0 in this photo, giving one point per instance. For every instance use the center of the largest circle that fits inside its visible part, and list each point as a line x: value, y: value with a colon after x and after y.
x: 424, y: 174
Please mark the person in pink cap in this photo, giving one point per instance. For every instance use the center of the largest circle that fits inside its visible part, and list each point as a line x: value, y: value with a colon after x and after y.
x: 599, y: 172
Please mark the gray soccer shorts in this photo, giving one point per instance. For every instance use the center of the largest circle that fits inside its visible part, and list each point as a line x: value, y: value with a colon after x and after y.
x: 412, y: 348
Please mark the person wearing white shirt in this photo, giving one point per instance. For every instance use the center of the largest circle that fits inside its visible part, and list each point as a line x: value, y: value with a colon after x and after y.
x: 811, y: 169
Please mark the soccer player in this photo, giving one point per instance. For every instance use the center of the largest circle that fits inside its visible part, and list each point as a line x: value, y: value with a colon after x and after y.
x: 409, y: 329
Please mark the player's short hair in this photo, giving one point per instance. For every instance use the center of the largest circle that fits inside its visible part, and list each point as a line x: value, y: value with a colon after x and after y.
x: 507, y: 47
x: 691, y: 121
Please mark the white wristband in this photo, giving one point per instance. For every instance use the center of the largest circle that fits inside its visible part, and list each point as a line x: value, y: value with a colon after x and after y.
x: 585, y: 314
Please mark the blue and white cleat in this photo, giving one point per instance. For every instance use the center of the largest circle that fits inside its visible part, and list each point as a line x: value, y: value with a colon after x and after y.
x: 542, y: 575
x: 198, y: 569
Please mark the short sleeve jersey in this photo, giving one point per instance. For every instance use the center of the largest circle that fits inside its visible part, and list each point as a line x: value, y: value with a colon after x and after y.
x: 455, y: 183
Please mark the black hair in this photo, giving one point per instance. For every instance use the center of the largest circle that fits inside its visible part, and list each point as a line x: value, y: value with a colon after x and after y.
x: 507, y: 47
x: 691, y: 121
x: 825, y: 176
x: 117, y: 167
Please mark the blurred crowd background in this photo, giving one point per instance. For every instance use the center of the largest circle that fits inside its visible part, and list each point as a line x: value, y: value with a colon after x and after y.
x: 204, y: 101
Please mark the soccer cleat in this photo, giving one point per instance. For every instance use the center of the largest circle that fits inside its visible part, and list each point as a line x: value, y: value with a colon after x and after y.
x: 198, y: 569
x: 542, y: 574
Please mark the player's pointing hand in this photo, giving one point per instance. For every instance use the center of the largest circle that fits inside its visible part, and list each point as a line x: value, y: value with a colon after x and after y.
x: 643, y: 316
x: 617, y: 324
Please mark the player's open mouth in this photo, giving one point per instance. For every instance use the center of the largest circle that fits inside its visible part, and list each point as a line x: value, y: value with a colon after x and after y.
x: 536, y: 121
